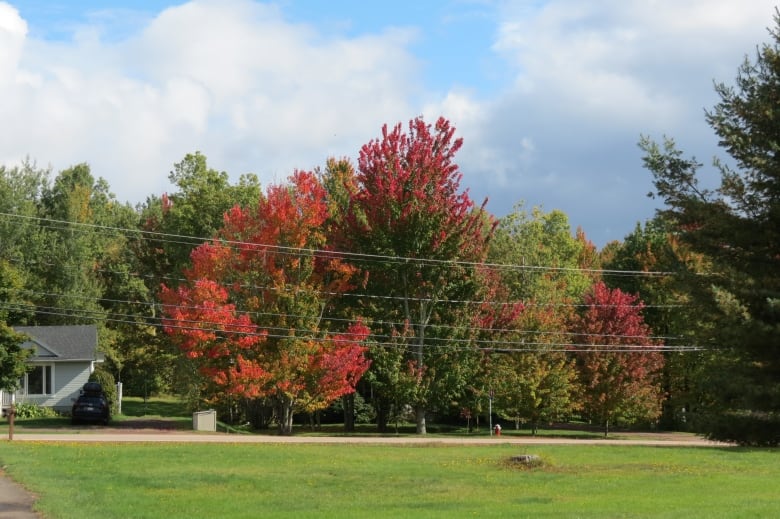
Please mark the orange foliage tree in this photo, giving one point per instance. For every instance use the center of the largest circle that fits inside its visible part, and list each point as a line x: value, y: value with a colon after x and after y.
x: 251, y: 312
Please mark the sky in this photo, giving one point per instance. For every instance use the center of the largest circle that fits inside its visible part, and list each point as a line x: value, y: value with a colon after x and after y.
x: 549, y: 96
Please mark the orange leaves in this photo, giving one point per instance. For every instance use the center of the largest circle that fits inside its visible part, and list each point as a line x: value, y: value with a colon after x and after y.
x: 264, y: 259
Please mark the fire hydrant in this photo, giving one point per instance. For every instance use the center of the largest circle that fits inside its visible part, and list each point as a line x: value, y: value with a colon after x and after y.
x: 497, y: 429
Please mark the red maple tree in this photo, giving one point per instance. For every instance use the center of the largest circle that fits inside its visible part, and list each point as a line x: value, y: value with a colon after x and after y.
x: 619, y: 363
x: 423, y: 237
x: 272, y: 262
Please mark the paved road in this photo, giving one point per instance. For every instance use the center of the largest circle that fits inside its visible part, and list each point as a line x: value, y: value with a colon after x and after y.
x: 189, y: 437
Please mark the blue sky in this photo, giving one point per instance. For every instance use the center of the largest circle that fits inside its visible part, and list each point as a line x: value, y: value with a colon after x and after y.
x: 550, y: 96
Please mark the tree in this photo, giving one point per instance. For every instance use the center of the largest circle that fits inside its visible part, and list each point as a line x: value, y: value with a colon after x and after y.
x: 551, y: 271
x: 173, y: 224
x: 534, y: 388
x: 419, y: 236
x: 252, y: 308
x: 193, y: 213
x: 13, y: 358
x: 22, y: 241
x: 655, y: 250
x: 620, y: 370
x: 736, y: 228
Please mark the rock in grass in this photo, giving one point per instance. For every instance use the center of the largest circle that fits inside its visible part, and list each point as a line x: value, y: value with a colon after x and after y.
x: 528, y: 460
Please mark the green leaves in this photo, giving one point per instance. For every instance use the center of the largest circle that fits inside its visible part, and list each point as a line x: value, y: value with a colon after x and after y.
x: 12, y: 358
x: 736, y: 232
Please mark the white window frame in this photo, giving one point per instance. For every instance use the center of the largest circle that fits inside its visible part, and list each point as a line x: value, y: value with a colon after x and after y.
x: 47, y: 391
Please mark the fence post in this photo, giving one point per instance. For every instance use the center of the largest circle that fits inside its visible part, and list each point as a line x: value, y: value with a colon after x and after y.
x: 118, y: 398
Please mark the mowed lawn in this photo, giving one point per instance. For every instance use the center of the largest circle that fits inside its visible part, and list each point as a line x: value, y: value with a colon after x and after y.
x: 82, y: 480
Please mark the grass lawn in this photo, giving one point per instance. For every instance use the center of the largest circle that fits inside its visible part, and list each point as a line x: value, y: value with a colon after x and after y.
x: 277, y: 480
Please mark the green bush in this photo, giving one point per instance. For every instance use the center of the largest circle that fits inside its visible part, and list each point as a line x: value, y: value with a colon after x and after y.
x: 744, y: 428
x: 31, y: 411
x: 106, y: 379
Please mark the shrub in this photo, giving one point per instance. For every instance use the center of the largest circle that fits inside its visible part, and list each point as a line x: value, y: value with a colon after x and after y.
x: 744, y: 428
x: 106, y: 379
x: 31, y: 411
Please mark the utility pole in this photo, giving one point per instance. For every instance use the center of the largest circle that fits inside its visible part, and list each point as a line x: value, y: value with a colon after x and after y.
x: 490, y: 410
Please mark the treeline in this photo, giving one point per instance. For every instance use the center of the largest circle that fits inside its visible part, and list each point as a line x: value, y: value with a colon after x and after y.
x: 385, y: 279
x: 380, y: 288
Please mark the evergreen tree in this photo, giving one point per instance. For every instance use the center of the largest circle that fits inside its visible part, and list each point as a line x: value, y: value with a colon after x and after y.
x: 736, y: 227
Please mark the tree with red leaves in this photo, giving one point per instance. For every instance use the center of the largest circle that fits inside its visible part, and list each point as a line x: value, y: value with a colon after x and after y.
x: 271, y: 263
x: 421, y: 236
x: 621, y: 365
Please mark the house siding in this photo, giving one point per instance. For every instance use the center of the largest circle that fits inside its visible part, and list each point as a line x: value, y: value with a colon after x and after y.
x: 69, y: 378
x: 71, y: 353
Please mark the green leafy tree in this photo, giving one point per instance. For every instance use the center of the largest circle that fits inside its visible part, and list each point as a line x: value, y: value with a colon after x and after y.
x: 655, y: 250
x: 552, y: 268
x: 736, y: 228
x: 552, y: 262
x: 12, y: 358
x: 23, y: 244
x: 534, y: 388
x: 191, y: 214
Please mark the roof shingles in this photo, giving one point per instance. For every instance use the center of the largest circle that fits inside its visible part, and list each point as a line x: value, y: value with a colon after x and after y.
x: 65, y: 343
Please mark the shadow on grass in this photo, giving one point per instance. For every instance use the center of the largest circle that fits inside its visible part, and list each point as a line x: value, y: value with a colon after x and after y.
x: 136, y: 406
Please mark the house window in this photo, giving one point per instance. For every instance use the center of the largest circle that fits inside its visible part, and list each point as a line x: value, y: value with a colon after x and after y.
x: 39, y: 381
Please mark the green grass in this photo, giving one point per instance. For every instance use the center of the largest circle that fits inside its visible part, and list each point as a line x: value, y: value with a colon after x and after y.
x: 165, y: 409
x: 281, y: 480
x: 158, y: 406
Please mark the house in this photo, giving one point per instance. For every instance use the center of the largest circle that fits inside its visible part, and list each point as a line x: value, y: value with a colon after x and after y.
x: 64, y: 358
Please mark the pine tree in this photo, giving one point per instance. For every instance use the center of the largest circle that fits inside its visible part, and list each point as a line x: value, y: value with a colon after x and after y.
x: 737, y: 228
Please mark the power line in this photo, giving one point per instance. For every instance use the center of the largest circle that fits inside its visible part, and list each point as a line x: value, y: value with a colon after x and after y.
x: 361, y: 295
x: 508, y: 346
x: 302, y: 251
x: 160, y: 307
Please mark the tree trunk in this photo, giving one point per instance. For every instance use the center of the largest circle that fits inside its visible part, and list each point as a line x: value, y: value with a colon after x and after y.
x: 606, y: 428
x: 285, y: 416
x: 382, y: 414
x: 419, y: 414
x: 348, y: 403
x: 259, y: 413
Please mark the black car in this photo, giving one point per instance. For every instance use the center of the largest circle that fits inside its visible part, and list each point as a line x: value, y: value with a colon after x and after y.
x: 91, y: 406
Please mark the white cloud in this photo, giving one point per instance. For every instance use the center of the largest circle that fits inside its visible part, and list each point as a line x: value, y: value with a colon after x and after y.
x: 232, y: 79
x: 590, y: 77
x: 254, y: 92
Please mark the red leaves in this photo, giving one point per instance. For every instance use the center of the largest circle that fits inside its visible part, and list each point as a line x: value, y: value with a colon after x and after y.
x: 264, y: 259
x: 618, y: 384
x: 408, y: 184
x: 204, y: 324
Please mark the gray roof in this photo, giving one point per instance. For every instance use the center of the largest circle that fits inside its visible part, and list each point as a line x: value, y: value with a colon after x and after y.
x: 61, y: 343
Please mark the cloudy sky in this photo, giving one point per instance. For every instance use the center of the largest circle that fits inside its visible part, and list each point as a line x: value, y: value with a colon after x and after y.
x: 550, y: 96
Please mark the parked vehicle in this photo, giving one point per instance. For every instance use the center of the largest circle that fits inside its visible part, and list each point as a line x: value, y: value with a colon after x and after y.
x: 91, y: 406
